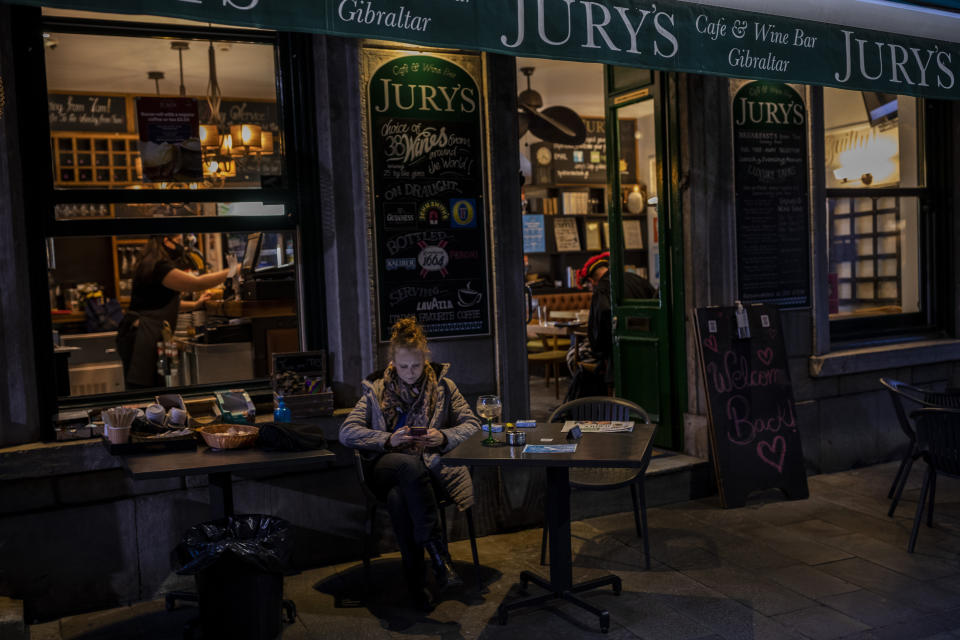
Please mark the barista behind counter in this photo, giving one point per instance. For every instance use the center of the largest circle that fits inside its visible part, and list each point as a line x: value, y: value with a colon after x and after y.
x: 158, y: 281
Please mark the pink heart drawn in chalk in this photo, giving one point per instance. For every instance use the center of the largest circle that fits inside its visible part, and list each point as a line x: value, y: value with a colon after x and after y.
x: 711, y: 343
x: 765, y: 355
x: 768, y: 452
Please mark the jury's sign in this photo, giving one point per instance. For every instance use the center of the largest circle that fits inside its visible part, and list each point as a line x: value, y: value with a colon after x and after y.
x: 664, y: 34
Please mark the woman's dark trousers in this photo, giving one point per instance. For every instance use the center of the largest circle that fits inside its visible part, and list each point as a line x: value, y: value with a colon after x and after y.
x: 404, y: 483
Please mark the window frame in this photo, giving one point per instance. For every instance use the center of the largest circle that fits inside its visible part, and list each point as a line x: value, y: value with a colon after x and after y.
x: 929, y: 321
x: 296, y: 189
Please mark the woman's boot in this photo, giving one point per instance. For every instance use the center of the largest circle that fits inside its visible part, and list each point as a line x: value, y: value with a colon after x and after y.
x: 442, y: 565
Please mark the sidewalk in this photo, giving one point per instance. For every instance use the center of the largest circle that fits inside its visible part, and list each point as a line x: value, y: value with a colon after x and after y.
x: 831, y: 566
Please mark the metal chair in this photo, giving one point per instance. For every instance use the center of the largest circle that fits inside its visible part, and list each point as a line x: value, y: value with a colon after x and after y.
x: 938, y: 443
x: 900, y: 391
x: 599, y: 479
x: 443, y: 501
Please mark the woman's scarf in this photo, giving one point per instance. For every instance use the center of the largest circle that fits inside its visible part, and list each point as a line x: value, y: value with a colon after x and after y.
x: 417, y: 400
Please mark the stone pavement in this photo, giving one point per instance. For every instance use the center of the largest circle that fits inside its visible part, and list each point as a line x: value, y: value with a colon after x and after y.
x: 832, y: 566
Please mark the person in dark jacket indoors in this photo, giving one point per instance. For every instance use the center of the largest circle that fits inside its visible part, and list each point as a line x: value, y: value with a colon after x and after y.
x: 409, y: 415
x: 595, y: 275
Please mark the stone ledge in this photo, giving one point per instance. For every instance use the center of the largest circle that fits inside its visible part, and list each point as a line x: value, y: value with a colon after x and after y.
x: 890, y: 356
x: 44, y: 459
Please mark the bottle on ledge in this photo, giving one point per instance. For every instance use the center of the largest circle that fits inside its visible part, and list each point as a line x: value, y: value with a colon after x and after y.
x: 282, y: 413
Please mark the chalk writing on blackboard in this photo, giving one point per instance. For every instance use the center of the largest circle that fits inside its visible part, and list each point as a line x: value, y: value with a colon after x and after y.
x: 754, y: 429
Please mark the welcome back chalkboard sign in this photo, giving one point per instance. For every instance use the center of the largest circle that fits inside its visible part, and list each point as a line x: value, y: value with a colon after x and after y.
x: 754, y: 432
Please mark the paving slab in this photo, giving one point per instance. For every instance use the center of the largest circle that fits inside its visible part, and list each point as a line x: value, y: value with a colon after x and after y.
x: 871, y: 608
x: 921, y: 595
x: 820, y: 623
x: 810, y: 581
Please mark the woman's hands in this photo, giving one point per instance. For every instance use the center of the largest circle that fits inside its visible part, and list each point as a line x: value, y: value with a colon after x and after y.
x: 434, y: 438
x: 401, y: 438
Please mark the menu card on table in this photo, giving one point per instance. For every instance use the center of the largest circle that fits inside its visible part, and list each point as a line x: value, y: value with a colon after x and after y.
x: 599, y: 426
x: 550, y: 448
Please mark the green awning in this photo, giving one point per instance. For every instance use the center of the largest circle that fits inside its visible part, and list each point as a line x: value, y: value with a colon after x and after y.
x: 945, y: 4
x: 659, y: 34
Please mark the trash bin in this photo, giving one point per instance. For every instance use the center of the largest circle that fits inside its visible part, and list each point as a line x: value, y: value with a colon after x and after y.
x: 238, y: 563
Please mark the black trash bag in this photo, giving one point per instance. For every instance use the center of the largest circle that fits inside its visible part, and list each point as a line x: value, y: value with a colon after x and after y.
x: 258, y: 541
x: 290, y: 437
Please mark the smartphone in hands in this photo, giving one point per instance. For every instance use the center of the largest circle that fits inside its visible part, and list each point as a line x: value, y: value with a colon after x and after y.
x: 417, y: 432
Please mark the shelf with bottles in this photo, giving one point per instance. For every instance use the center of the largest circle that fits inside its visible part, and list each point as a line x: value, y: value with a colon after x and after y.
x: 581, y: 200
x: 125, y: 253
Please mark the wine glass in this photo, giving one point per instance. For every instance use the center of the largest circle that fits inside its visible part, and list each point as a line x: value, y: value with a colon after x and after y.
x: 489, y: 407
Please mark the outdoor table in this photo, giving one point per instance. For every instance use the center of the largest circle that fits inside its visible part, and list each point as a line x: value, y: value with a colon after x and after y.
x: 593, y: 450
x: 564, y: 329
x: 219, y: 466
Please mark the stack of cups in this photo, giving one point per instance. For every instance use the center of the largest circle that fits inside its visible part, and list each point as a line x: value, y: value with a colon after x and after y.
x: 176, y: 418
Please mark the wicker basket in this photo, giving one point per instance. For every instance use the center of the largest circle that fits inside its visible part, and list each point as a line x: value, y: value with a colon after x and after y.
x: 229, y: 436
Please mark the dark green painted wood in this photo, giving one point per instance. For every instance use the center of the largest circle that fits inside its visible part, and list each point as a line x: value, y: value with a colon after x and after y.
x: 649, y: 353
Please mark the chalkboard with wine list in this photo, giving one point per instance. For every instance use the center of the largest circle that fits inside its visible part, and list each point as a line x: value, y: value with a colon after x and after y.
x: 428, y: 205
x: 754, y: 433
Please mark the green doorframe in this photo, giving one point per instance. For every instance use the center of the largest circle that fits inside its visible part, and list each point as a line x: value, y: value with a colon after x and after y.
x: 649, y: 335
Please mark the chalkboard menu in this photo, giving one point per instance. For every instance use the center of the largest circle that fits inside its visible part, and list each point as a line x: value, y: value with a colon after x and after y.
x: 585, y: 163
x: 81, y: 112
x: 429, y: 211
x: 753, y: 424
x: 770, y: 152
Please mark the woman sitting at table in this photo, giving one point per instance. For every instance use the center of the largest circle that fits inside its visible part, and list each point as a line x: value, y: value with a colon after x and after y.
x: 408, y: 416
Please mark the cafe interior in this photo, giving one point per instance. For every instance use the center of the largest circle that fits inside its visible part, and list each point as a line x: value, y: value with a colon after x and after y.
x: 95, y: 146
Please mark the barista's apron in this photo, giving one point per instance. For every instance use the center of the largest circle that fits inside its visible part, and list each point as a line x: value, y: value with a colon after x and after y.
x: 137, y: 338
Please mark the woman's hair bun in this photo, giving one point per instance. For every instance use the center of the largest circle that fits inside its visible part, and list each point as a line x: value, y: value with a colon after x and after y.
x: 407, y: 334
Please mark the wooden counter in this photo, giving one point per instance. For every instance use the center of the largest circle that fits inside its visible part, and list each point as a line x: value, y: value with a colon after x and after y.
x: 250, y: 308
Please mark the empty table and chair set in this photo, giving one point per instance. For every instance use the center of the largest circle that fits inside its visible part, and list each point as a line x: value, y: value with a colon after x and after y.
x: 933, y: 432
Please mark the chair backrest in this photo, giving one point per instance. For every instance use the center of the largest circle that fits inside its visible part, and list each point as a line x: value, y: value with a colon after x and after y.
x: 898, y: 391
x: 938, y: 438
x: 949, y: 398
x: 599, y: 408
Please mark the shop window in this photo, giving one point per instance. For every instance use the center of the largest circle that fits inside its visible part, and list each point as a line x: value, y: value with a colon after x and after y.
x: 228, y: 338
x: 173, y: 153
x: 176, y: 113
x: 875, y: 179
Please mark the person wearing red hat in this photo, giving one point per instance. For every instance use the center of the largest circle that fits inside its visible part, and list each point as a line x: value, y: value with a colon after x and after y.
x: 595, y: 275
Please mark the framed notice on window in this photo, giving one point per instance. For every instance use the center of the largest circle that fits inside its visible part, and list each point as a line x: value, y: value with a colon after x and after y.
x: 566, y: 234
x: 632, y: 235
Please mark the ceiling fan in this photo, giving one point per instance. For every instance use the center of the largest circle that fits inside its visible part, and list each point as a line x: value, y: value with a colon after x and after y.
x: 553, y: 124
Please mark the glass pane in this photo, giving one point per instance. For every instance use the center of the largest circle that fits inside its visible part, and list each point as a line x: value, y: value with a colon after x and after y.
x: 631, y: 77
x: 876, y: 267
x: 164, y: 210
x: 133, y: 109
x: 638, y: 180
x: 102, y: 286
x: 872, y: 140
